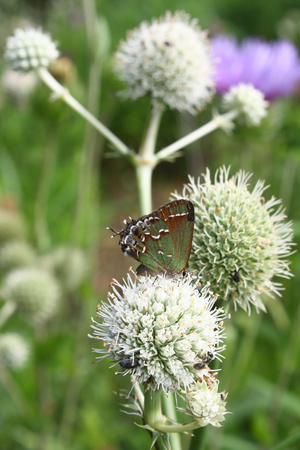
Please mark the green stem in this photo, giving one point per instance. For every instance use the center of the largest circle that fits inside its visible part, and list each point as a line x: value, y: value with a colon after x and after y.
x: 14, y: 391
x: 64, y: 94
x: 6, y: 311
x: 152, y: 411
x: 145, y: 161
x: 85, y: 209
x: 219, y: 121
x: 170, y: 411
x: 42, y: 234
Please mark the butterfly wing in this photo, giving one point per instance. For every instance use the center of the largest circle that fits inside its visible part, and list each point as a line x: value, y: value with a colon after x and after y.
x: 162, y: 240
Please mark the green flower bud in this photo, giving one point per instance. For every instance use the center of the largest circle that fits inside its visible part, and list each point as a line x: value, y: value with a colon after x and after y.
x: 240, y: 240
x: 14, y: 350
x: 16, y: 254
x: 34, y: 291
x: 29, y: 49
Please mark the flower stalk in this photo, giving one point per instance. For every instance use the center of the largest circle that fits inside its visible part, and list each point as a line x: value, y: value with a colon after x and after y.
x: 62, y: 93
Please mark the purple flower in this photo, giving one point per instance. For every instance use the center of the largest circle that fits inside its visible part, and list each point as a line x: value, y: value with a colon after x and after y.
x: 272, y: 67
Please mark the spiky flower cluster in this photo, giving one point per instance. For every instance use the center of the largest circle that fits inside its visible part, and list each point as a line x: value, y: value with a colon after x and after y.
x: 250, y: 103
x: 16, y: 254
x: 14, y: 350
x: 240, y: 239
x: 168, y: 59
x: 29, y: 49
x: 158, y: 329
x: 205, y: 404
x: 34, y: 291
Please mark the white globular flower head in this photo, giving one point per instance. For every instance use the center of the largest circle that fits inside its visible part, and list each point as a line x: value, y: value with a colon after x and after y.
x: 240, y: 240
x: 170, y: 60
x: 15, y: 254
x: 158, y: 329
x: 14, y: 350
x: 29, y: 49
x: 205, y: 404
x: 34, y: 291
x: 248, y: 101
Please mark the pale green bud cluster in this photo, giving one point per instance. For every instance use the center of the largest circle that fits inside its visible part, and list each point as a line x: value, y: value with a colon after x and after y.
x: 29, y: 49
x: 16, y: 254
x: 34, y: 291
x: 240, y: 240
x: 205, y: 404
x: 14, y: 350
x: 248, y: 101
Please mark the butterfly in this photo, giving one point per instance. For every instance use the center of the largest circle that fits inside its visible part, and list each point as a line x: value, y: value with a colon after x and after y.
x: 160, y: 241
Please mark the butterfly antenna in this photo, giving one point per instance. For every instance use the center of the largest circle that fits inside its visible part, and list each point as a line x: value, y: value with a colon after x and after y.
x: 116, y: 233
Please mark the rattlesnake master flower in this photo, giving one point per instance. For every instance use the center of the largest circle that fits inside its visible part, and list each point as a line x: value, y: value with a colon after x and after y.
x: 34, y: 291
x: 168, y: 59
x: 158, y: 329
x: 29, y: 49
x: 16, y: 254
x: 12, y: 226
x: 271, y: 67
x: 240, y: 241
x: 205, y: 404
x: 249, y: 102
x: 14, y: 350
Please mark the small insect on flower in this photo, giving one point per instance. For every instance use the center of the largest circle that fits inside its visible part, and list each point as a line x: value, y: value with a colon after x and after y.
x: 128, y: 364
x: 206, y: 360
x: 236, y: 275
x: 162, y: 240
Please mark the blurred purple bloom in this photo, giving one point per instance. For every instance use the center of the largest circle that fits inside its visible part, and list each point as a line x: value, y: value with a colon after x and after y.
x: 272, y: 67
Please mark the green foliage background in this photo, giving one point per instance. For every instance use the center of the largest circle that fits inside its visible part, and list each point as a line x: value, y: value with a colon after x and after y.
x: 61, y: 400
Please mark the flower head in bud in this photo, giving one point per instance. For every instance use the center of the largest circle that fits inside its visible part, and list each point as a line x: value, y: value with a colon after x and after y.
x: 16, y: 254
x: 240, y: 239
x: 68, y: 264
x: 158, y: 329
x: 29, y: 49
x: 34, y: 291
x: 170, y: 60
x: 205, y: 404
x: 14, y: 350
x: 12, y: 226
x: 249, y: 102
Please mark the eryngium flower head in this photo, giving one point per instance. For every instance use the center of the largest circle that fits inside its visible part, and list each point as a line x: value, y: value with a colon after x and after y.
x: 158, y: 329
x: 16, y: 254
x: 271, y: 67
x: 12, y: 226
x: 239, y: 239
x: 248, y: 101
x: 68, y: 264
x: 205, y: 404
x: 14, y: 350
x: 34, y: 291
x: 29, y: 49
x: 169, y: 59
